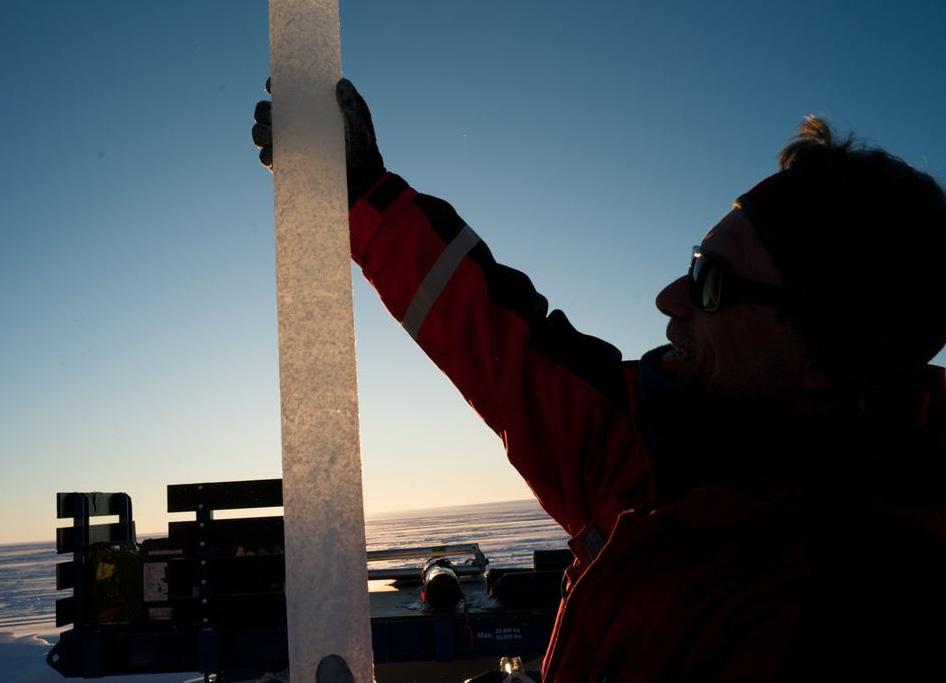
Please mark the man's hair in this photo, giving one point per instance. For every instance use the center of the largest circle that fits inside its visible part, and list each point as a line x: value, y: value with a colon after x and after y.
x: 866, y: 256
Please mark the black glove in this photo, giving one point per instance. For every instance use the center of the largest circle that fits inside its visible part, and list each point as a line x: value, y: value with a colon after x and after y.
x: 363, y: 162
x: 333, y: 669
x: 263, y: 129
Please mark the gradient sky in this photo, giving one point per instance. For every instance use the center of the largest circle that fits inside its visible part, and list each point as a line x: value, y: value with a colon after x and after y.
x: 590, y: 144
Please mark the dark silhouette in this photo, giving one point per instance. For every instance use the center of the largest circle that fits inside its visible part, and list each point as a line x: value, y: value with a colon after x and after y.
x: 763, y: 498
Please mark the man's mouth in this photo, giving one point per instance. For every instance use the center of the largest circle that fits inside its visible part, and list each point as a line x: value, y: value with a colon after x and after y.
x: 680, y: 348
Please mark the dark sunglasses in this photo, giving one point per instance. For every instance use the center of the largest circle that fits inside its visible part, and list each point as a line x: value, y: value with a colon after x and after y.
x: 713, y: 285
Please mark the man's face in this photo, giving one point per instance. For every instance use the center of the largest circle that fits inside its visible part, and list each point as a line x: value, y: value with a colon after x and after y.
x: 743, y: 350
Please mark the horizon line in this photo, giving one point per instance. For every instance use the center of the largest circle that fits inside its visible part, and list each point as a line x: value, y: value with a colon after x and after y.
x: 375, y: 515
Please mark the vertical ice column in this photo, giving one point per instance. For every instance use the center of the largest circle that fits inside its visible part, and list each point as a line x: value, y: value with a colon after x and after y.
x: 326, y: 573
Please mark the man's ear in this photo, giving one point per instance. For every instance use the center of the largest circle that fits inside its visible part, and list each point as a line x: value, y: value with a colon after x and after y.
x: 815, y: 377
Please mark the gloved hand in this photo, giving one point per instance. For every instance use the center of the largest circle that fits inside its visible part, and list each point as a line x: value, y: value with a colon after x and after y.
x: 333, y: 669
x: 263, y: 129
x: 363, y: 162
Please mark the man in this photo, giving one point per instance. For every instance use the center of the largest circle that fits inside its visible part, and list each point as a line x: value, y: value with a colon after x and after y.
x: 763, y: 498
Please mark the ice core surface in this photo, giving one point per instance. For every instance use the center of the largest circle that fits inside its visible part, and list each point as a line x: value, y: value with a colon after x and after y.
x: 326, y: 574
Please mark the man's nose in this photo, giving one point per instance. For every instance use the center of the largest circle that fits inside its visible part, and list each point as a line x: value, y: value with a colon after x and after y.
x: 674, y: 300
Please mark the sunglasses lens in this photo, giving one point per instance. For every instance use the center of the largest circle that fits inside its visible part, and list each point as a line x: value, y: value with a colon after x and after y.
x: 705, y: 282
x: 710, y: 290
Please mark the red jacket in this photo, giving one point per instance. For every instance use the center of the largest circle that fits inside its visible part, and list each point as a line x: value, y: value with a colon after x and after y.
x: 684, y: 570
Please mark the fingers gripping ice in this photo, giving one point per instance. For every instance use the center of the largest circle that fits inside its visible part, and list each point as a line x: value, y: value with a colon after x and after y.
x: 363, y: 162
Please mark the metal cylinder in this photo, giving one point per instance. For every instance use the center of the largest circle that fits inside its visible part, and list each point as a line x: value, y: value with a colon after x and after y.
x: 441, y: 587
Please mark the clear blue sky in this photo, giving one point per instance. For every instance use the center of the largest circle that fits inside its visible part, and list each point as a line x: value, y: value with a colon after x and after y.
x: 590, y: 144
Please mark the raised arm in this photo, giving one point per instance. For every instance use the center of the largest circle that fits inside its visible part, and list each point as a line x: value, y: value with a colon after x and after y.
x: 559, y: 399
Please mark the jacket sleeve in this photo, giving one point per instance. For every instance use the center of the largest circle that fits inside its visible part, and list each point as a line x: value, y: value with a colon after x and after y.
x: 557, y: 398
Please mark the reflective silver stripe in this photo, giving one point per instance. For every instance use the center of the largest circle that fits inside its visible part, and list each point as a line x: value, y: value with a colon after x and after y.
x: 437, y: 279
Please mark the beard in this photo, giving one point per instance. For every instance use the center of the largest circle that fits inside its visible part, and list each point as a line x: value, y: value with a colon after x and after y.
x: 701, y: 436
